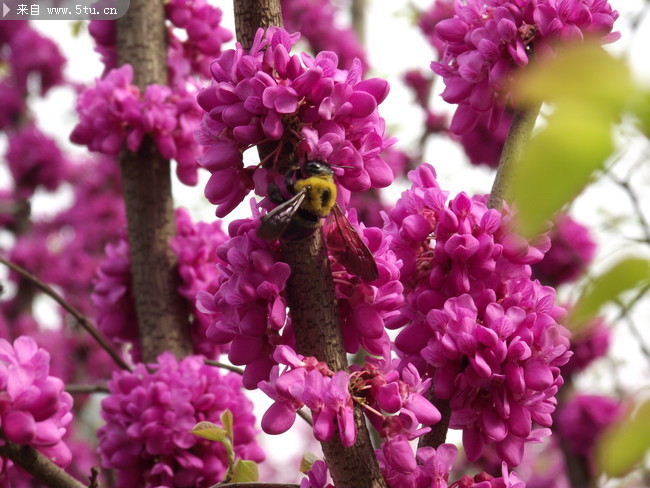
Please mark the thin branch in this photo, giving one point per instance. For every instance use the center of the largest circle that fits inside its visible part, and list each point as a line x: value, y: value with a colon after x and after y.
x: 636, y: 205
x: 81, y: 389
x: 210, y: 362
x: 255, y: 485
x: 83, y: 321
x: 38, y: 466
x: 234, y: 369
x: 521, y: 128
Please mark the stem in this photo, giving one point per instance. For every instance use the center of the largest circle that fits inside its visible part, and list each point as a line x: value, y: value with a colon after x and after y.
x: 315, y: 319
x: 83, y: 321
x: 85, y: 389
x: 438, y: 434
x: 358, y: 12
x: 521, y: 128
x: 146, y: 180
x: 38, y: 466
x: 255, y: 485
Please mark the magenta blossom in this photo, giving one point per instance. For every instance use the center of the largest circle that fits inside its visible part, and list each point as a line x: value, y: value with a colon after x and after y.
x: 475, y: 318
x: 35, y: 161
x: 588, y: 344
x: 34, y: 409
x: 150, y: 412
x: 249, y: 308
x: 316, y: 476
x: 486, y: 41
x: 572, y: 250
x: 294, y: 103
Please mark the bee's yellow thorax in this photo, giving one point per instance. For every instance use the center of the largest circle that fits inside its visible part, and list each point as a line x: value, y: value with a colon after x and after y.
x: 321, y: 194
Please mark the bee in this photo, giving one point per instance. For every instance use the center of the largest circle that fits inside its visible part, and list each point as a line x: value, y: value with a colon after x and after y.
x: 314, y: 198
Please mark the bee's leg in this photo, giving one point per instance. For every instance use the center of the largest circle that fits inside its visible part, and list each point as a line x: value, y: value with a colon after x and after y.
x: 275, y: 195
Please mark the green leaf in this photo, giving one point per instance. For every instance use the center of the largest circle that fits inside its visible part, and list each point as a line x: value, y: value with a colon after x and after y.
x: 582, y: 72
x: 625, y: 444
x: 625, y: 275
x: 558, y: 163
x: 76, y: 27
x: 210, y: 431
x: 640, y: 107
x: 245, y: 472
x: 227, y: 422
x: 307, y: 461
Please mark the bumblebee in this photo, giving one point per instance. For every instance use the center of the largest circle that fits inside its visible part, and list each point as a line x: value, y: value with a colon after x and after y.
x: 314, y: 198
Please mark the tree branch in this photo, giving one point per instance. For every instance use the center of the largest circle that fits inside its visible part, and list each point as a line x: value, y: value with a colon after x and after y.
x: 82, y: 389
x: 162, y: 318
x: 38, y: 466
x: 252, y: 14
x: 438, y: 433
x: 521, y: 128
x: 255, y: 485
x: 81, y: 319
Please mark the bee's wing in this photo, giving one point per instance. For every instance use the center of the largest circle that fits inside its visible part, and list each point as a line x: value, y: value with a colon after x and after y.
x: 274, y: 223
x: 344, y: 241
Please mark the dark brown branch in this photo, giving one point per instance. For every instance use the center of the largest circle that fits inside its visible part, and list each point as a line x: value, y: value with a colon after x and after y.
x: 315, y: 318
x: 521, y: 128
x: 146, y: 179
x: 252, y: 14
x: 81, y: 319
x: 438, y: 434
x: 38, y: 466
x: 358, y: 12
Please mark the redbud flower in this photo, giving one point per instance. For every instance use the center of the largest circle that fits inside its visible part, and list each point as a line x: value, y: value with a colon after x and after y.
x: 249, y: 308
x: 588, y: 344
x: 34, y: 409
x: 150, y: 412
x: 490, y: 333
x: 35, y: 161
x: 486, y: 41
x: 572, y: 250
x: 301, y: 104
x: 584, y: 418
x: 316, y: 476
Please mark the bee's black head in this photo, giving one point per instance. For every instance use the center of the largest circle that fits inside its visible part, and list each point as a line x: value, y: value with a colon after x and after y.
x: 317, y: 168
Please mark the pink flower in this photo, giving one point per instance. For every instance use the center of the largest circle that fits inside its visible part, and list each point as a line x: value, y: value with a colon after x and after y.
x: 34, y: 160
x: 572, y: 250
x: 486, y: 41
x: 295, y: 103
x: 150, y: 412
x: 34, y: 409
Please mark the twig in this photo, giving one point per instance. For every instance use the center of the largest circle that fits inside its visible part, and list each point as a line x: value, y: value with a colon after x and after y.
x: 521, y: 128
x: 83, y: 321
x: 81, y: 389
x: 94, y: 477
x: 634, y: 199
x: 301, y: 413
x: 255, y: 485
x: 38, y: 466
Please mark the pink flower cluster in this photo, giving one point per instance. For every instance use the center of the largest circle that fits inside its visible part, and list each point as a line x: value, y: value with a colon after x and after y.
x: 249, y: 308
x: 316, y: 477
x: 114, y: 113
x: 431, y: 468
x: 316, y: 22
x: 584, y: 418
x: 474, y: 319
x: 330, y: 396
x: 195, y: 245
x: 363, y: 307
x: 34, y: 161
x: 34, y: 409
x: 205, y: 36
x: 150, y: 412
x: 114, y: 301
x: 303, y: 105
x: 428, y: 20
x: 588, y: 344
x: 486, y: 40
x: 31, y: 56
x: 572, y: 250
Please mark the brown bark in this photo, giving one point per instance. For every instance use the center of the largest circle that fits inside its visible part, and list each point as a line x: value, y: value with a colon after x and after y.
x: 146, y: 179
x: 438, y: 433
x: 521, y: 128
x: 38, y: 466
x: 315, y: 319
x: 252, y: 14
